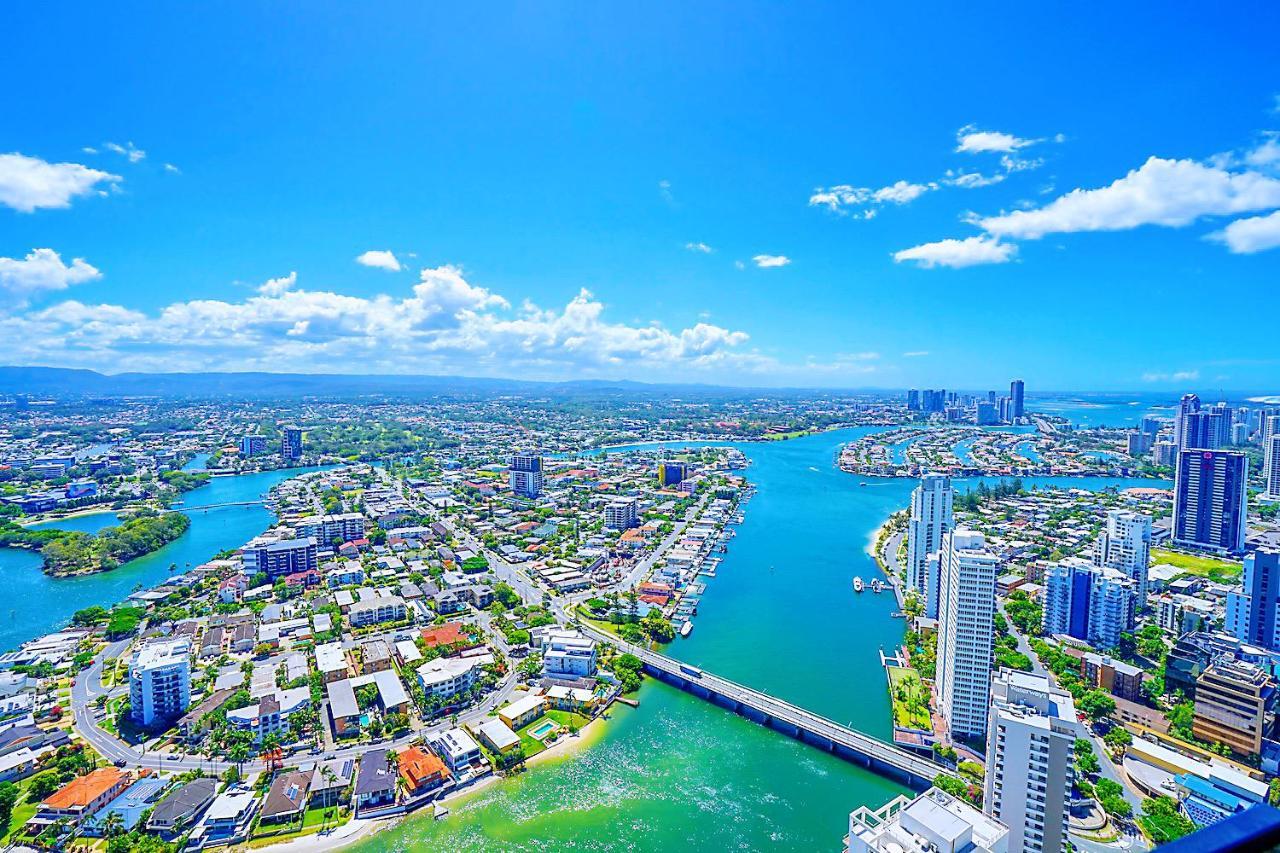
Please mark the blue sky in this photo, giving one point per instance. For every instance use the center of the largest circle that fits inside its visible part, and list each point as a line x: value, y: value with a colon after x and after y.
x: 737, y: 193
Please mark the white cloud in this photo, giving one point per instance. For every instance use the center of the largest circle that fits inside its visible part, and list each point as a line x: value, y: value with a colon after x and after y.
x: 862, y: 202
x: 699, y: 247
x: 444, y: 324
x: 919, y: 353
x: 127, y: 150
x: 971, y: 180
x: 765, y: 262
x: 956, y: 254
x: 89, y: 150
x: 172, y: 169
x: 970, y: 140
x: 664, y: 190
x: 1266, y: 153
x: 29, y: 183
x: 1172, y: 193
x: 42, y: 270
x: 274, y: 287
x: 381, y: 259
x: 1176, y: 376
x: 1254, y: 234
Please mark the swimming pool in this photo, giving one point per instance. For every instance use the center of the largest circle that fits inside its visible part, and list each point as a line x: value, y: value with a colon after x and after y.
x: 542, y: 729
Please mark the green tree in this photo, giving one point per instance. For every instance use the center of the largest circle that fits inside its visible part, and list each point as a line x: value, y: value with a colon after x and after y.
x: 8, y: 798
x: 1096, y: 704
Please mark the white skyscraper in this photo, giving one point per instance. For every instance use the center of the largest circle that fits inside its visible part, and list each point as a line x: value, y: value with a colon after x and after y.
x: 1271, y: 458
x: 966, y: 607
x: 1125, y: 545
x: 160, y: 681
x: 931, y: 519
x: 1029, y: 760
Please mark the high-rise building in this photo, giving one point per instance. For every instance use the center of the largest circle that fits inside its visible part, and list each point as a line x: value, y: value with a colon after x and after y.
x: 1125, y: 545
x: 966, y: 608
x: 160, y: 681
x: 282, y: 557
x: 1017, y: 390
x: 1030, y: 738
x: 290, y: 443
x: 252, y: 445
x: 935, y: 820
x: 1234, y: 705
x: 1221, y: 419
x: 913, y: 400
x: 1209, y: 500
x: 620, y: 514
x: 1252, y: 610
x: 1188, y: 406
x: 1164, y: 454
x: 1270, y: 431
x: 931, y: 519
x: 672, y: 473
x: 986, y: 413
x: 524, y: 473
x: 1089, y: 603
x: 1272, y: 457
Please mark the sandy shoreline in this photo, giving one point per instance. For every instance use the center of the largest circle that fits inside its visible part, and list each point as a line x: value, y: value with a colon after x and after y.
x: 357, y: 829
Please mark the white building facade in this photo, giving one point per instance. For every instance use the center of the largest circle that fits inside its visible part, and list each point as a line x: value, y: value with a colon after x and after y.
x: 931, y: 518
x: 966, y: 610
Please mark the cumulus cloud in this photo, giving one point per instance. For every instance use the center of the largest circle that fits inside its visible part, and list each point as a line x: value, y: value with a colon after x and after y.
x: 132, y: 153
x: 1165, y: 192
x: 971, y: 140
x: 41, y: 271
x: 956, y: 254
x: 702, y: 248
x: 29, y: 183
x: 382, y: 259
x: 443, y: 324
x: 1250, y: 235
x: 765, y: 262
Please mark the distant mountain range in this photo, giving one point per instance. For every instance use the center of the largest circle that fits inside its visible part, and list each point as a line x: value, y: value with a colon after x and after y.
x: 71, y: 382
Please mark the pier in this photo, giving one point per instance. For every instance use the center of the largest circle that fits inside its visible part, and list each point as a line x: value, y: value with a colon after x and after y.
x: 853, y: 746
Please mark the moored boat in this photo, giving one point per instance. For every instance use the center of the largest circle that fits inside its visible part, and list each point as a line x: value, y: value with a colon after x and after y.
x: 857, y: 584
x: 687, y: 628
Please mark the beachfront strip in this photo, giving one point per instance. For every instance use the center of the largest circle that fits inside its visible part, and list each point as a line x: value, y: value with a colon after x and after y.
x: 1093, y: 664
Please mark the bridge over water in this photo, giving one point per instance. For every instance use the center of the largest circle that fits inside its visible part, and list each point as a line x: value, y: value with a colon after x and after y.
x: 886, y: 759
x: 181, y: 508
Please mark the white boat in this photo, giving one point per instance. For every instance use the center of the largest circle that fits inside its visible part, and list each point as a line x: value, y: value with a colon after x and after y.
x: 876, y: 586
x: 857, y: 584
x: 687, y: 628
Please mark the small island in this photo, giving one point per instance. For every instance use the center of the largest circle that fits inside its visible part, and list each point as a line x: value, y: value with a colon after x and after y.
x: 73, y: 552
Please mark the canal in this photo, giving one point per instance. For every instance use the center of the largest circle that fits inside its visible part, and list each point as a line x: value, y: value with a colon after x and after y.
x: 780, y: 616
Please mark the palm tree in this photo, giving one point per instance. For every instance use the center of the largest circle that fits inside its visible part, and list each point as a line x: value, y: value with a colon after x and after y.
x: 113, y: 825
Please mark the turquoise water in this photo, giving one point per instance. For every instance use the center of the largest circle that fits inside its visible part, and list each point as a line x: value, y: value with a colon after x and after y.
x: 781, y: 616
x: 961, y: 451
x: 91, y: 523
x: 1027, y: 450
x: 37, y: 603
x: 197, y: 462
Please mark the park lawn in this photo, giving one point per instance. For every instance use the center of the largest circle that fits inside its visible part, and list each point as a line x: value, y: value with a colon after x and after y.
x: 22, y: 812
x: 905, y: 713
x: 1220, y: 571
x: 569, y: 718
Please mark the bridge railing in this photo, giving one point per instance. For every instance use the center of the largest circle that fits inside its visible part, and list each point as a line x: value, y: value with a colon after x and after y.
x: 873, y: 746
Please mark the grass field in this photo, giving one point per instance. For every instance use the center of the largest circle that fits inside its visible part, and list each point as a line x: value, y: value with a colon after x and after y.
x: 910, y: 699
x: 1221, y: 571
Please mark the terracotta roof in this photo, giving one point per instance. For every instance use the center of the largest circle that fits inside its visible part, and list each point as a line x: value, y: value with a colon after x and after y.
x: 83, y: 790
x: 418, y: 766
x: 444, y: 635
